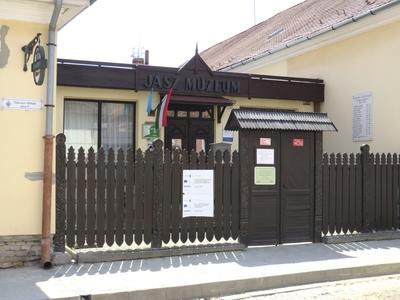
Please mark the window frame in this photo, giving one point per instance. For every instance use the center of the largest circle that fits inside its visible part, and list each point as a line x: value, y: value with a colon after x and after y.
x: 99, y: 115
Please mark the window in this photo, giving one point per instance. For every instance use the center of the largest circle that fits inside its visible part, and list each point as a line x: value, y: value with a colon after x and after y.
x: 99, y: 124
x: 191, y: 111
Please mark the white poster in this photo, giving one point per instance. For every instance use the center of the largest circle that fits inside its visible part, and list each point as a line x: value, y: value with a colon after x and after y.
x: 362, y: 117
x: 198, y: 193
x: 265, y: 157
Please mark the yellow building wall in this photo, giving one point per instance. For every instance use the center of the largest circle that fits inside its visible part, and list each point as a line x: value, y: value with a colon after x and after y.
x: 21, y: 134
x: 368, y: 62
x: 277, y: 69
x: 140, y: 100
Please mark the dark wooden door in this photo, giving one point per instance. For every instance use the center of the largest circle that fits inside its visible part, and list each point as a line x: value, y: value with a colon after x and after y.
x: 297, y: 186
x: 264, y: 208
x: 187, y: 131
x: 201, y: 130
x: 177, y: 129
x: 282, y: 212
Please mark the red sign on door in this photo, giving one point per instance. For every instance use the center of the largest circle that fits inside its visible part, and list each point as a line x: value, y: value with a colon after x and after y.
x: 265, y: 141
x: 298, y: 142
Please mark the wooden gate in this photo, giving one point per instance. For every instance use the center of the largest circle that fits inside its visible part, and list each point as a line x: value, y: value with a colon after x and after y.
x: 135, y: 197
x: 280, y: 211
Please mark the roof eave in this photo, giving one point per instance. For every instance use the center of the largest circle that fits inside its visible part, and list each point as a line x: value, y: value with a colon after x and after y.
x: 74, y: 14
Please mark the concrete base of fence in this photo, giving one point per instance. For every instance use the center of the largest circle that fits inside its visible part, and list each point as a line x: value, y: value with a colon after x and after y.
x: 361, y: 237
x: 93, y: 256
x: 59, y: 258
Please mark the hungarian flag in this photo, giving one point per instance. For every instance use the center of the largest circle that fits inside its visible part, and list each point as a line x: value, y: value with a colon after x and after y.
x: 161, y: 117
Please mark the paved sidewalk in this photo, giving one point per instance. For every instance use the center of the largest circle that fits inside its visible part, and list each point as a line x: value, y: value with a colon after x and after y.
x: 204, y: 275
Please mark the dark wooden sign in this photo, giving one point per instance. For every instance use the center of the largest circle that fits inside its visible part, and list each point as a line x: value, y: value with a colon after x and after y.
x: 194, y: 78
x: 196, y: 84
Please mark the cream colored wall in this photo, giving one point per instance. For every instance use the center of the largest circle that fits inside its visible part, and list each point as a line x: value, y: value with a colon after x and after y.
x: 257, y: 103
x: 21, y: 135
x: 366, y: 62
x: 139, y: 98
x: 278, y: 68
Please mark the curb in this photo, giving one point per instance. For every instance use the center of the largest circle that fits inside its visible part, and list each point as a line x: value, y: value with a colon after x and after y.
x: 225, y: 288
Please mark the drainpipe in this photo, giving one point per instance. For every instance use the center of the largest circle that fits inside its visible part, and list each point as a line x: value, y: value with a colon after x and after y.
x: 49, y: 138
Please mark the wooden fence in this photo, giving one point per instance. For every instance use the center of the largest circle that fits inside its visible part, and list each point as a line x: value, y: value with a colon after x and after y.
x: 136, y: 197
x: 360, y: 192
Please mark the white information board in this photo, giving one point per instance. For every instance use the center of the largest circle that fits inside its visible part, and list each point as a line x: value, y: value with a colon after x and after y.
x: 21, y: 104
x: 265, y: 156
x: 198, y: 193
x: 362, y: 117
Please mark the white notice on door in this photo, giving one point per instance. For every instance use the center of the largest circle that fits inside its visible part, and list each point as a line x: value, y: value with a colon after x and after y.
x: 198, y: 193
x: 265, y: 157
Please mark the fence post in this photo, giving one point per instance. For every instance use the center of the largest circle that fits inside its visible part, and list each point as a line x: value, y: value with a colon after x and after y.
x: 59, y: 237
x: 365, y: 171
x: 245, y: 166
x: 318, y: 188
x: 158, y: 180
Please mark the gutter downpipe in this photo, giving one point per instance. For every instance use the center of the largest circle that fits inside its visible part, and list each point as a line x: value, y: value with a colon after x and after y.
x: 312, y: 35
x: 49, y: 139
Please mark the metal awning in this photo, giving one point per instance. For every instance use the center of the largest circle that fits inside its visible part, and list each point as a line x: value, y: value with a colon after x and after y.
x: 196, y: 100
x: 278, y: 120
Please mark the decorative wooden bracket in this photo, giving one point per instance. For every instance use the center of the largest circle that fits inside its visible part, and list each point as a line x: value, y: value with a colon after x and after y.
x: 28, y: 50
x: 220, y: 113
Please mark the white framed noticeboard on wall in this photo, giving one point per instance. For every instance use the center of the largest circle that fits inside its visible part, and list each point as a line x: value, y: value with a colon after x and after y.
x: 198, y: 193
x: 362, y: 117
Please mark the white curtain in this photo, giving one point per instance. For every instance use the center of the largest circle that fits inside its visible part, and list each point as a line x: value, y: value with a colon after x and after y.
x: 81, y: 124
x: 117, y: 126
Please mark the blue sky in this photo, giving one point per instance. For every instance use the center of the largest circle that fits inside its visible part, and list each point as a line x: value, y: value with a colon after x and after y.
x: 110, y: 29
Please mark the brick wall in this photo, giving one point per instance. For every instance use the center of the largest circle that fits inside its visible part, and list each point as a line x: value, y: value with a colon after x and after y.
x: 19, y: 250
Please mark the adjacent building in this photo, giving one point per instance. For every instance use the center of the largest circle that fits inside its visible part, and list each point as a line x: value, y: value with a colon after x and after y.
x: 352, y: 46
x: 23, y: 121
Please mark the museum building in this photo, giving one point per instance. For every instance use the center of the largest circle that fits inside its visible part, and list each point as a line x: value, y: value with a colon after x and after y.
x: 105, y: 104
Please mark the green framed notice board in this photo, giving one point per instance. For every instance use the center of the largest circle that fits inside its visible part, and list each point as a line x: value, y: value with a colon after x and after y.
x: 264, y: 176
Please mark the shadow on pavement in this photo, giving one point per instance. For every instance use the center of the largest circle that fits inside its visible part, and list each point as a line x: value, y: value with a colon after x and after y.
x: 252, y: 257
